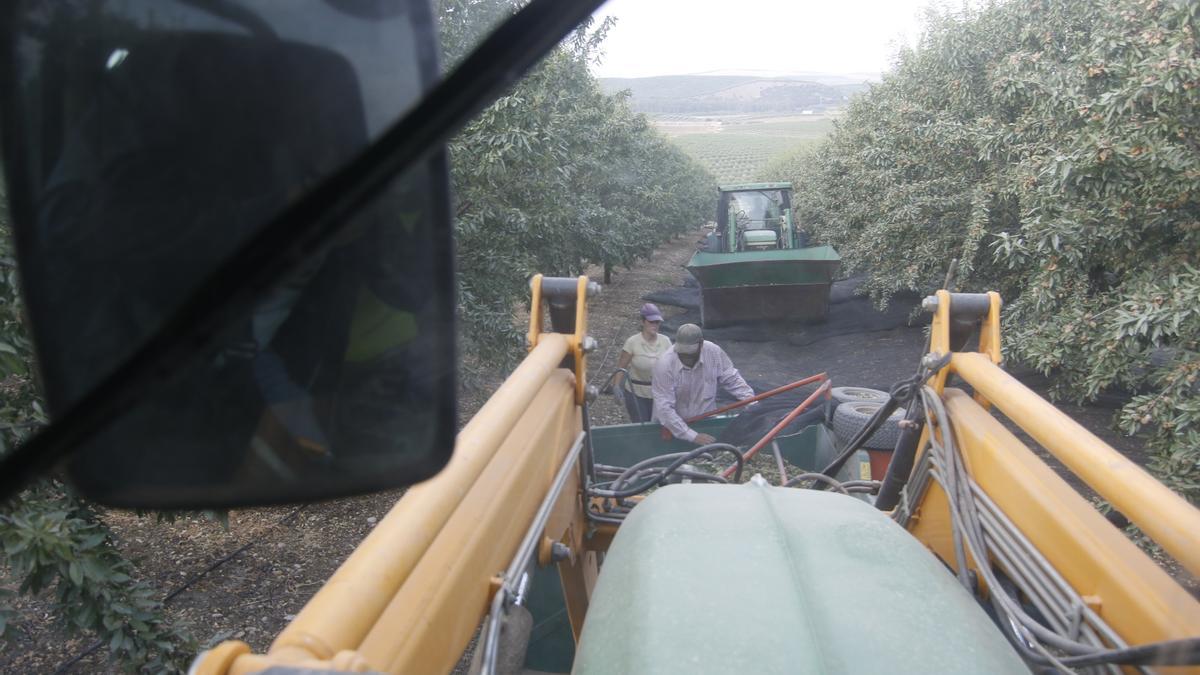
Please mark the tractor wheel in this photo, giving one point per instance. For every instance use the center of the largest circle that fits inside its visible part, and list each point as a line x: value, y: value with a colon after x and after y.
x: 849, y: 418
x: 858, y: 395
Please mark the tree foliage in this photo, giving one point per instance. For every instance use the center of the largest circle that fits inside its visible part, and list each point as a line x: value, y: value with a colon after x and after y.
x: 56, y: 545
x: 53, y: 544
x: 554, y: 176
x: 1054, y: 149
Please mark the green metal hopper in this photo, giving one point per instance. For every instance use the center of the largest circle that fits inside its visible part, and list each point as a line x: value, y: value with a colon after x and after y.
x: 755, y: 266
x: 551, y: 646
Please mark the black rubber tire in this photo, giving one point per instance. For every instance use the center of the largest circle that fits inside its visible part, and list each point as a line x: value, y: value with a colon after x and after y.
x: 849, y: 418
x: 858, y: 395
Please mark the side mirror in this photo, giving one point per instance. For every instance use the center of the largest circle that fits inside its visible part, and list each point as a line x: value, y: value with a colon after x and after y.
x: 145, y: 148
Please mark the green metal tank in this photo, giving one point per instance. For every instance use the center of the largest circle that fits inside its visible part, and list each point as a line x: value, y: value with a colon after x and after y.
x: 758, y: 579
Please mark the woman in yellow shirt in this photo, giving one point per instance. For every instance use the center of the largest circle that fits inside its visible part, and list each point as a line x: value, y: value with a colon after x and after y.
x: 636, y: 364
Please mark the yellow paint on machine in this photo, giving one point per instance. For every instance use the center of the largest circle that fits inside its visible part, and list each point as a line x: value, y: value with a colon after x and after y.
x: 410, y: 597
x: 1127, y: 589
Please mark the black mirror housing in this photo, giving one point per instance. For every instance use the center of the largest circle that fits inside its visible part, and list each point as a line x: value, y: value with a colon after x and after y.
x: 145, y: 145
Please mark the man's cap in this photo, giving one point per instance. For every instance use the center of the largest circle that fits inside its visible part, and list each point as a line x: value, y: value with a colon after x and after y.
x: 650, y: 312
x: 687, y: 339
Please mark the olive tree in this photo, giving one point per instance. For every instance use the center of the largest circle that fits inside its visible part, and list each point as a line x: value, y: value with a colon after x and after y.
x: 1053, y: 148
x: 54, y: 544
x: 554, y: 176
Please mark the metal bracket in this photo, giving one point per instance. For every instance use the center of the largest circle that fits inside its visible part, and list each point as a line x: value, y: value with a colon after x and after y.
x: 563, y: 294
x: 947, y: 307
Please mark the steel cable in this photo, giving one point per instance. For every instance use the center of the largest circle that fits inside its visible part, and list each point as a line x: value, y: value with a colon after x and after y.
x: 952, y: 474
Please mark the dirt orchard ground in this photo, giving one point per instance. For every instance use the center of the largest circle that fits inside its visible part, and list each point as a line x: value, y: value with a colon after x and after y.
x: 278, y: 557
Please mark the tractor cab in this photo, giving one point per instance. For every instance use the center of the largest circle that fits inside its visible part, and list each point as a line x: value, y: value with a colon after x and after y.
x: 757, y: 265
x: 754, y: 217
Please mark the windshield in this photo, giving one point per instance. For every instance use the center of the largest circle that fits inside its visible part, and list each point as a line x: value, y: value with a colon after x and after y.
x: 1044, y: 151
x: 758, y: 209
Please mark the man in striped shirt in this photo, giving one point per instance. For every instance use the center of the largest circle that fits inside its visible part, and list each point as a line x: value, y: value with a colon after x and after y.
x: 686, y: 380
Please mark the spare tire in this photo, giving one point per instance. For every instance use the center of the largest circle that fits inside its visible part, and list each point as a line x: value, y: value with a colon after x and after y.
x: 849, y: 418
x: 858, y: 395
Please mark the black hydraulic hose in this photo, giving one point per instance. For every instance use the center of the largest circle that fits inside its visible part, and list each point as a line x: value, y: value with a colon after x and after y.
x: 904, y: 390
x: 680, y: 461
x: 903, y: 457
x: 597, y: 517
x: 685, y: 473
x: 636, y: 469
x: 861, y: 437
x: 700, y: 475
x: 820, y: 478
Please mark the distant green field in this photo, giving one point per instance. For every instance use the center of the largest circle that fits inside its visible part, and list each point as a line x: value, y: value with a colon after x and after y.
x: 738, y: 148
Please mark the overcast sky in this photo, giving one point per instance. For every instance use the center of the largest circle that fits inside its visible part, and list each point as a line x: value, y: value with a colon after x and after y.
x: 679, y: 37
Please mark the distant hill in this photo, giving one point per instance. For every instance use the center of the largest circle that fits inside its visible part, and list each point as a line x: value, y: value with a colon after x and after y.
x: 805, y: 75
x: 732, y: 93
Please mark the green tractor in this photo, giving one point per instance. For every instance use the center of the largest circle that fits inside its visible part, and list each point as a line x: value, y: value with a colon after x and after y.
x: 756, y: 264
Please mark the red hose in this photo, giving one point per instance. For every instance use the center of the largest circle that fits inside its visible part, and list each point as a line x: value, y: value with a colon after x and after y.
x: 819, y: 377
x: 823, y: 389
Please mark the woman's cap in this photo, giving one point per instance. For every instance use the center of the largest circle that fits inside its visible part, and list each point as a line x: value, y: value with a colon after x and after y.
x: 650, y: 312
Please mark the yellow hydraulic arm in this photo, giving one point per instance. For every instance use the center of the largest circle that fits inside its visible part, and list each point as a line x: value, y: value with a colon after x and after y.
x: 410, y: 597
x: 1111, y: 577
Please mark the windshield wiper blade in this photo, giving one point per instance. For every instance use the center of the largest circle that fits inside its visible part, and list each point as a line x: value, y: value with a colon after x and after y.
x: 303, y: 229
